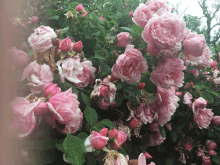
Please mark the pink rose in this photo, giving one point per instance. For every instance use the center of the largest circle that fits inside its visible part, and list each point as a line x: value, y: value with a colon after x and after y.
x: 64, y: 107
x: 87, y: 75
x: 40, y: 76
x: 179, y: 94
x: 130, y: 65
x: 211, y: 145
x: 20, y: 58
x: 195, y: 72
x: 121, y: 138
x: 153, y: 127
x: 145, y: 113
x: 206, y: 160
x: 98, y: 141
x: 141, y: 86
x: 144, y: 12
x: 113, y: 133
x: 77, y: 46
x: 41, y: 109
x: 168, y: 126
x: 124, y: 39
x: 169, y: 73
x: 41, y: 39
x: 79, y: 7
x: 141, y: 159
x: 24, y: 119
x: 102, y: 18
x: 187, y: 98
x: 212, y: 152
x: 216, y: 120
x: 104, y: 131
x: 215, y: 74
x: 69, y: 70
x: 131, y: 14
x: 152, y: 50
x: 133, y: 123
x: 199, y: 103
x: 194, y: 44
x: 106, y: 95
x: 52, y: 89
x: 34, y: 19
x: 66, y: 45
x: 187, y: 147
x: 203, y: 117
x: 165, y: 32
x: 200, y: 153
x: 213, y: 65
x: 155, y: 139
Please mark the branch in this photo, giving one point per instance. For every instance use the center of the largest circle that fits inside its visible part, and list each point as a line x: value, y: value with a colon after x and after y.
x: 215, y: 12
x: 215, y: 25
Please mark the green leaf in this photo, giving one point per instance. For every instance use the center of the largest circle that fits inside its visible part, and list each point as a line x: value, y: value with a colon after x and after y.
x: 90, y: 160
x: 119, y: 98
x: 85, y: 99
x: 173, y: 136
x: 59, y: 146
x: 200, y: 87
x: 108, y: 123
x: 114, y: 22
x: 90, y: 115
x: 105, y: 69
x: 97, y: 127
x: 206, y: 96
x: 189, y: 68
x: 212, y: 91
x: 216, y: 159
x: 168, y: 161
x: 122, y: 151
x: 64, y: 30
x: 162, y: 131
x: 82, y: 136
x: 129, y: 30
x: 56, y: 17
x: 75, y: 150
x: 99, y: 57
x: 137, y: 29
x: 151, y: 98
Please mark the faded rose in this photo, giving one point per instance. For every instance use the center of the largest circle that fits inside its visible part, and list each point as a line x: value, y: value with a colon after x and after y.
x: 40, y: 76
x: 165, y: 32
x: 124, y: 39
x: 130, y: 65
x: 169, y: 73
x: 41, y: 39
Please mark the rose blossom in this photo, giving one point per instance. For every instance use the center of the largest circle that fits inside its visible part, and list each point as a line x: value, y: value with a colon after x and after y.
x: 211, y: 145
x: 187, y: 98
x: 52, y: 89
x: 195, y: 72
x: 102, y: 18
x: 133, y: 123
x: 144, y: 12
x: 41, y: 39
x: 131, y: 14
x: 120, y: 138
x: 152, y: 50
x: 165, y: 32
x: 41, y: 109
x: 108, y: 100
x: 169, y: 73
x: 124, y: 39
x: 215, y: 74
x: 34, y: 19
x: 69, y: 70
x: 130, y: 65
x: 98, y: 141
x: 40, y: 76
x: 216, y: 120
x: 153, y: 127
x: 199, y: 103
x: 20, y: 58
x: 104, y: 131
x: 178, y: 93
x: 155, y: 139
x: 213, y: 65
x: 145, y: 113
x: 24, y: 119
x: 212, y: 152
x: 200, y: 153
x: 79, y: 7
x: 194, y: 44
x: 203, y: 117
x: 206, y: 160
x: 64, y: 107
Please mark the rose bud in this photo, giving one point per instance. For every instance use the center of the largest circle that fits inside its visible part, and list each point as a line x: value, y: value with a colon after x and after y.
x: 104, y: 132
x: 186, y: 86
x: 179, y: 144
x: 216, y: 120
x: 56, y: 42
x: 66, y: 45
x: 168, y: 126
x: 152, y: 50
x: 77, y: 46
x: 102, y: 18
x: 190, y: 127
x: 187, y: 147
x: 153, y: 127
x: 131, y: 14
x: 98, y: 141
x: 121, y: 138
x: 212, y: 152
x: 179, y: 94
x: 34, y: 19
x: 133, y: 123
x: 176, y: 149
x: 113, y: 133
x: 147, y: 155
x: 104, y: 91
x: 213, y: 65
x: 211, y: 145
x: 79, y: 7
x: 141, y: 86
x: 192, y: 84
x: 124, y: 39
x: 51, y: 90
x: 41, y: 109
